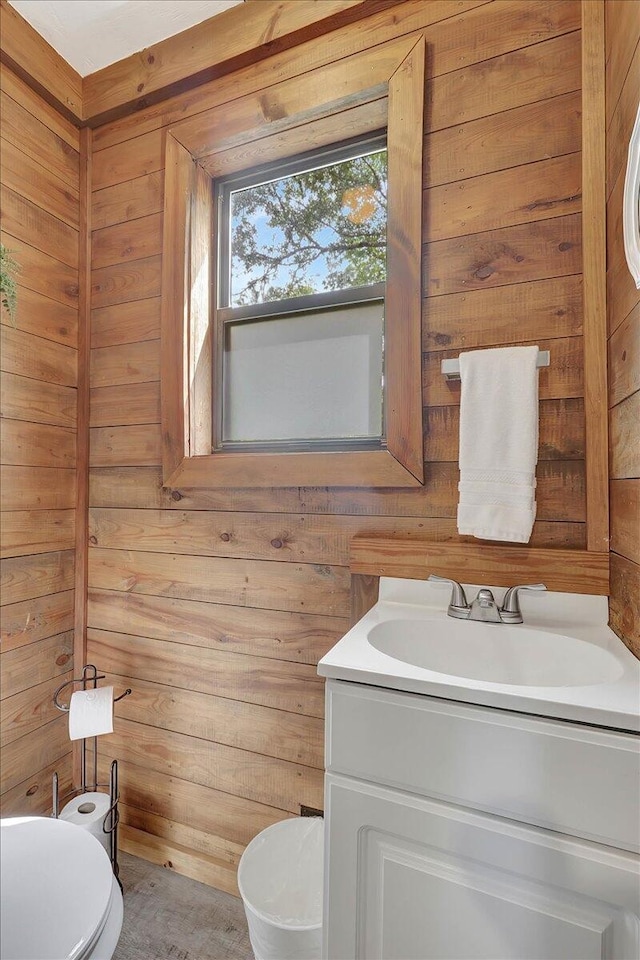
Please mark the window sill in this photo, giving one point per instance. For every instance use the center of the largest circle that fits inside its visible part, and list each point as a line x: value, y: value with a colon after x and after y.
x: 375, y: 468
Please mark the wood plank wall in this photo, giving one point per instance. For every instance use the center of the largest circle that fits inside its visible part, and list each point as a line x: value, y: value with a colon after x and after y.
x: 39, y: 194
x: 215, y: 606
x: 622, y: 40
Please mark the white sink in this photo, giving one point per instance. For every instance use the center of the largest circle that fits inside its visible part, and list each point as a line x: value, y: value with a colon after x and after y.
x: 498, y: 653
x: 563, y: 662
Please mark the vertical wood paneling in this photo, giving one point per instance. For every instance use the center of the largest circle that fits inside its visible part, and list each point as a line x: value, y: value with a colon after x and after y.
x: 176, y: 570
x: 38, y: 370
x: 622, y: 53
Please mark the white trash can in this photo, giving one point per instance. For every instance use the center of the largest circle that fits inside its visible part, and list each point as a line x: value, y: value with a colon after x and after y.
x: 280, y: 880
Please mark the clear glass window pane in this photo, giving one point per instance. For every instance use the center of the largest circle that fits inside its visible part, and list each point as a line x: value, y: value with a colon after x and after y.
x: 309, y: 232
x: 314, y: 376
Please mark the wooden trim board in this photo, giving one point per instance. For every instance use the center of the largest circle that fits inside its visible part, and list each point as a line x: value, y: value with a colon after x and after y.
x: 82, y: 439
x: 403, y: 310
x: 594, y: 268
x: 175, y: 305
x: 570, y: 571
x: 236, y: 38
x: 364, y: 595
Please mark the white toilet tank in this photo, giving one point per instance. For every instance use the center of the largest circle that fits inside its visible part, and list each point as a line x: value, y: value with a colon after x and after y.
x: 59, y: 898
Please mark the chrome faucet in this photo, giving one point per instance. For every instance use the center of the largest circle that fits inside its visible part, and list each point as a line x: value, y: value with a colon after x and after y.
x: 484, y: 607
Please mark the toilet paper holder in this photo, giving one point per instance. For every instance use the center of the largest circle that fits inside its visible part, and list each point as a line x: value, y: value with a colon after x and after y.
x: 89, y: 681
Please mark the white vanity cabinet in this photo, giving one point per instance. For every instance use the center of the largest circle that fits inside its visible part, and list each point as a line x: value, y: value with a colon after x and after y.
x: 462, y: 831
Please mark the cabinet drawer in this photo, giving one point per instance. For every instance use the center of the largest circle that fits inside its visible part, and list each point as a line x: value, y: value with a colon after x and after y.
x: 579, y: 780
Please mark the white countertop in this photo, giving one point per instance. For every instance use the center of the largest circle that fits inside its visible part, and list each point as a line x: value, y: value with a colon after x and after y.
x: 612, y: 703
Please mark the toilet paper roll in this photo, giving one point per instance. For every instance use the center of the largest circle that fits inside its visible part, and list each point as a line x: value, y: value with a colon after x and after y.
x: 88, y: 811
x: 91, y: 713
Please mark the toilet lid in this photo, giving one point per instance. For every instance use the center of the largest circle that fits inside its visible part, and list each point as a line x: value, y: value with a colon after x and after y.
x: 56, y: 883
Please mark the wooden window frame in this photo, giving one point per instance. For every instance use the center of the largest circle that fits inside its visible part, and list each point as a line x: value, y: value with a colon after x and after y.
x: 383, y: 87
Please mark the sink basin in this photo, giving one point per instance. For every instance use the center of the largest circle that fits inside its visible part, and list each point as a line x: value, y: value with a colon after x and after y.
x: 495, y: 653
x: 564, y: 662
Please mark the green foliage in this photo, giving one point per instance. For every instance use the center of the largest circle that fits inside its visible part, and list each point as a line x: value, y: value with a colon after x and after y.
x: 8, y: 291
x: 319, y: 230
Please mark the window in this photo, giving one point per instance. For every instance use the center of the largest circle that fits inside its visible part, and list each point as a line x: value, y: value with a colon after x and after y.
x: 301, y: 270
x: 226, y: 337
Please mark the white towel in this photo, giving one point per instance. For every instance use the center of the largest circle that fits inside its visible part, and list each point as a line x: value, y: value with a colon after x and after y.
x: 498, y: 443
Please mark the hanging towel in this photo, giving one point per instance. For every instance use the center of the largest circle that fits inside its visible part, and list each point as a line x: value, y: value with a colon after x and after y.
x: 498, y: 443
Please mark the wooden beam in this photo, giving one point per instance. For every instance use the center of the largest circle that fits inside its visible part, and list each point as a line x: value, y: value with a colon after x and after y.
x: 236, y: 38
x: 573, y: 571
x: 594, y: 221
x: 39, y: 65
x: 82, y: 448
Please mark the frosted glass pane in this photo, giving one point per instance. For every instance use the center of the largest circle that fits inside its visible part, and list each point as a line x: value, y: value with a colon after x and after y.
x: 305, y: 377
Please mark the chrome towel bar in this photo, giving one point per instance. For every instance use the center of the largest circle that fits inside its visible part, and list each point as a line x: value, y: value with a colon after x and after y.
x: 451, y: 368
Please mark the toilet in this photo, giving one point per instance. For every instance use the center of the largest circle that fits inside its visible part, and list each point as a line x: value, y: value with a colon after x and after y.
x: 59, y: 897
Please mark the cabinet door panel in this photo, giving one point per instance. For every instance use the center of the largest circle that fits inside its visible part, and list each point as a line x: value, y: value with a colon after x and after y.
x: 413, y: 879
x: 438, y: 908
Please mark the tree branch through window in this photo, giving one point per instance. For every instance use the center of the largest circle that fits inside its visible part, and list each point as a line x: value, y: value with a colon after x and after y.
x: 319, y: 230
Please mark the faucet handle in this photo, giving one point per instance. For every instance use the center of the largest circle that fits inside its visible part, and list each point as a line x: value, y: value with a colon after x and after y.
x: 458, y: 596
x: 510, y: 611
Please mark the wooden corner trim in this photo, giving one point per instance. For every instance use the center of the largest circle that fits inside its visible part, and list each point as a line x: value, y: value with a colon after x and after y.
x: 81, y: 578
x: 39, y: 65
x: 594, y: 274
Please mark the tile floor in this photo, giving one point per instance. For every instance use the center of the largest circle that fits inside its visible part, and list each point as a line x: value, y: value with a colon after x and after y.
x: 169, y: 917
